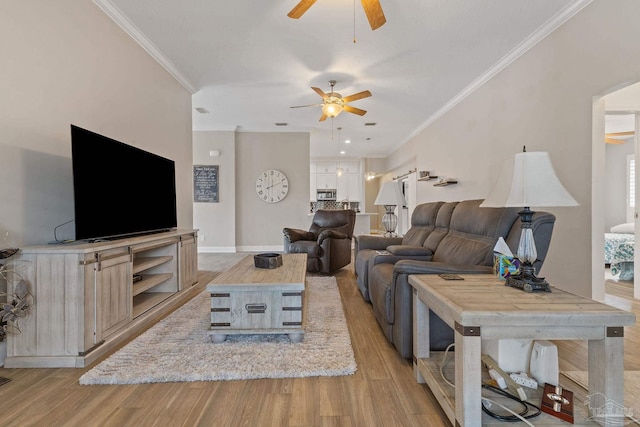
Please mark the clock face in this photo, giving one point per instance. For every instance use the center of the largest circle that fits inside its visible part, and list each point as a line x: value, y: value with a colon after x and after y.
x: 272, y: 186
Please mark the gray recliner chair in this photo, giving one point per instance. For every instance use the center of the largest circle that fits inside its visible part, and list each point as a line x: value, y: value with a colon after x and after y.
x: 327, y: 243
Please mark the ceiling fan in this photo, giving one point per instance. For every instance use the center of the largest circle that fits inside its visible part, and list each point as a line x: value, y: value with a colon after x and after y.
x: 333, y: 103
x: 617, y: 137
x: 372, y: 9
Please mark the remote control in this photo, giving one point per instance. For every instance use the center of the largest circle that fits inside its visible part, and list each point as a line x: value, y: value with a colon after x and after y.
x: 448, y: 276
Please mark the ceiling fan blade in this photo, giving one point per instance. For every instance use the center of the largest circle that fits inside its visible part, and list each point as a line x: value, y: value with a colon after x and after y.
x: 323, y: 117
x: 374, y: 13
x: 354, y: 110
x: 356, y: 96
x: 319, y: 92
x: 300, y: 8
x: 612, y: 134
x: 310, y: 105
x: 614, y: 141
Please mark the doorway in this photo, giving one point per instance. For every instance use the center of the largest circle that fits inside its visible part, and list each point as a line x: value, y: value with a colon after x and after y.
x: 618, y: 116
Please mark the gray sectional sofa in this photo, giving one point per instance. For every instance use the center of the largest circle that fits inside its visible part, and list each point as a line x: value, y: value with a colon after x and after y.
x: 445, y: 237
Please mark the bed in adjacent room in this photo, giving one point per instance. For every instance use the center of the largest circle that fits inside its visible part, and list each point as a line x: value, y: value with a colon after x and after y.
x: 619, y: 250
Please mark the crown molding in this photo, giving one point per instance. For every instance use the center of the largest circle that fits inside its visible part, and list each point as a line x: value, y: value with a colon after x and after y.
x: 134, y: 32
x: 547, y: 28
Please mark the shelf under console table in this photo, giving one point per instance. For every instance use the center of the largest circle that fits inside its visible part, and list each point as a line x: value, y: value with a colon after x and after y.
x: 87, y: 302
x: 481, y: 307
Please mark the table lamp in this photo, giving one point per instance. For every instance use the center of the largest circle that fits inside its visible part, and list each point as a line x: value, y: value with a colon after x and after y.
x: 528, y: 180
x: 390, y: 196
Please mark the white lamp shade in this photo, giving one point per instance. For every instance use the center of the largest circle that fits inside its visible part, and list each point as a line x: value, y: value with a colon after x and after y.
x: 529, y: 180
x: 390, y: 194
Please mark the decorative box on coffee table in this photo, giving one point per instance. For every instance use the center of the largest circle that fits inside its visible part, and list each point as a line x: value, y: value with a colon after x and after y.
x: 250, y: 300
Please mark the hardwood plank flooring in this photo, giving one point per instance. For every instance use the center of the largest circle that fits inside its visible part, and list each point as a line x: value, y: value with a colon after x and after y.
x: 382, y: 392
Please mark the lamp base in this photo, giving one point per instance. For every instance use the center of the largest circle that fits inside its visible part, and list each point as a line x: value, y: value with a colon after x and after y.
x: 527, y: 280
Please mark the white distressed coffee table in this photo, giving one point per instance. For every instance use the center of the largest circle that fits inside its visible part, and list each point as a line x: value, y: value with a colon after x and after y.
x: 481, y: 307
x: 250, y: 300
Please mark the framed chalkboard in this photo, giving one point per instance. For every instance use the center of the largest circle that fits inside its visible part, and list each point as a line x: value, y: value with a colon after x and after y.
x: 205, y: 183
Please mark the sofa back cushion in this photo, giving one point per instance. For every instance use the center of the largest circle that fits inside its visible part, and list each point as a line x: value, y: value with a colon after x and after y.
x: 423, y: 221
x: 442, y: 226
x: 473, y: 233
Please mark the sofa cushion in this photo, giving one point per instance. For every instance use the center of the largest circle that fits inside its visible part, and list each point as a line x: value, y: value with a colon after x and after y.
x: 423, y: 221
x: 381, y: 295
x: 405, y: 250
x: 441, y: 226
x: 473, y: 232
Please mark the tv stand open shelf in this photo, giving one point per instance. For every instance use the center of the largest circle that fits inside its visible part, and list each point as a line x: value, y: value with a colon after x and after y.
x: 87, y: 302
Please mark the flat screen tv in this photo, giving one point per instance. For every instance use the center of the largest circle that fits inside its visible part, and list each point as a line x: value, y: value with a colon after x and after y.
x: 119, y: 190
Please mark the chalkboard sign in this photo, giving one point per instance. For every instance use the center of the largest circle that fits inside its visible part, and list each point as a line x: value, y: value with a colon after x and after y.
x: 205, y: 183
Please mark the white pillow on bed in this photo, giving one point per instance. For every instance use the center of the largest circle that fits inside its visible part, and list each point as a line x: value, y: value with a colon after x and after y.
x: 627, y: 228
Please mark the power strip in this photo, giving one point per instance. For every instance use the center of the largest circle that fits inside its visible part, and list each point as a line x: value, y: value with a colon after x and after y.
x: 524, y: 380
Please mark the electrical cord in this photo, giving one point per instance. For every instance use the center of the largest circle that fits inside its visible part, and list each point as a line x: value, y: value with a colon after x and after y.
x: 522, y: 416
x: 526, y: 406
x: 55, y: 230
x: 442, y: 365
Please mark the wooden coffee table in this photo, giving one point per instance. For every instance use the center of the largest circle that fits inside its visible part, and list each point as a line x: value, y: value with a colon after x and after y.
x: 250, y: 300
x: 481, y: 307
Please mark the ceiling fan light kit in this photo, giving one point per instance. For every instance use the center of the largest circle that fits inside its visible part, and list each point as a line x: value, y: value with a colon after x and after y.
x: 333, y: 103
x: 332, y: 108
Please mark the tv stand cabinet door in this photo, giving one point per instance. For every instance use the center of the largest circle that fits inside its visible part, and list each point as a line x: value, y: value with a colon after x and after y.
x: 188, y: 260
x: 113, y: 293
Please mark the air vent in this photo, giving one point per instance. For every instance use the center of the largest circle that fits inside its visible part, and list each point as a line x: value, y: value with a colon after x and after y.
x: 370, y: 124
x: 281, y: 124
x: 202, y: 110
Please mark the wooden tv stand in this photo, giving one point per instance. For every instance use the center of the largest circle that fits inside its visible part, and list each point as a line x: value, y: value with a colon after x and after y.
x: 87, y: 302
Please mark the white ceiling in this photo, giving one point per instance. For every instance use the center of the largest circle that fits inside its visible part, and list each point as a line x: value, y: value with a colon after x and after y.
x: 246, y: 62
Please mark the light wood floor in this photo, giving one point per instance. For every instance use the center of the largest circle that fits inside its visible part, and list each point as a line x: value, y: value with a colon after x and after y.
x: 382, y: 392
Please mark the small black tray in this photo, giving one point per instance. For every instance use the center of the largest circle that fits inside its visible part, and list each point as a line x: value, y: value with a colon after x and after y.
x: 267, y: 260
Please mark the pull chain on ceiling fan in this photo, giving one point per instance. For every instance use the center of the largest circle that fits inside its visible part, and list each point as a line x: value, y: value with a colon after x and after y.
x: 372, y: 9
x: 333, y: 103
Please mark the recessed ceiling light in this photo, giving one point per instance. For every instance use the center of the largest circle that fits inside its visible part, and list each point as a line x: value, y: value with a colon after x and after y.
x: 202, y: 110
x: 347, y: 141
x: 342, y: 152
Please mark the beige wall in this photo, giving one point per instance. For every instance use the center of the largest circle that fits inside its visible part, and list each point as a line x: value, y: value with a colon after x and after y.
x: 544, y: 101
x: 216, y: 222
x: 241, y: 221
x: 66, y: 62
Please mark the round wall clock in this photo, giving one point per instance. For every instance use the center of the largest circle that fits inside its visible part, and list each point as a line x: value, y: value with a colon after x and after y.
x: 272, y: 186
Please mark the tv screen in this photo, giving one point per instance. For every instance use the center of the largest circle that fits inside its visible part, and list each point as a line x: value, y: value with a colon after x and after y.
x: 119, y: 190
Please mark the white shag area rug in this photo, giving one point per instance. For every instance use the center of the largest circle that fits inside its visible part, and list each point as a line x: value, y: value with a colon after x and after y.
x: 178, y: 348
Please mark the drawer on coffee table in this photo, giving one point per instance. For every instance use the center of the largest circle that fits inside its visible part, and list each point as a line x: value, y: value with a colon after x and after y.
x: 256, y: 310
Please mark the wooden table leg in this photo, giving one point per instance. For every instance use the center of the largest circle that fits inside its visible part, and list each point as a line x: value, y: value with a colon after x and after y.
x: 468, y: 354
x: 606, y: 377
x: 421, y: 344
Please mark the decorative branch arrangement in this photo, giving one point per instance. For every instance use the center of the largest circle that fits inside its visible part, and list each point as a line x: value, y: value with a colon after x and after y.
x: 19, y: 303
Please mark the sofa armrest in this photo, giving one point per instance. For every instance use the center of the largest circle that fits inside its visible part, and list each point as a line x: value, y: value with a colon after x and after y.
x: 406, y: 250
x: 294, y: 234
x: 331, y: 234
x: 431, y: 267
x: 375, y: 242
